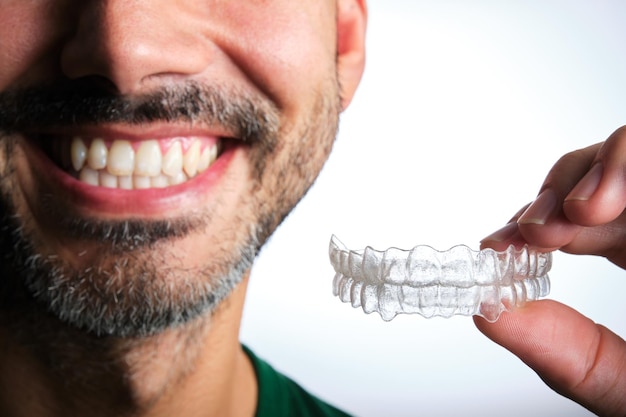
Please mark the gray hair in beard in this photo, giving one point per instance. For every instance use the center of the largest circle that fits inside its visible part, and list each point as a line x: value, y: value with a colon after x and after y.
x: 130, y: 294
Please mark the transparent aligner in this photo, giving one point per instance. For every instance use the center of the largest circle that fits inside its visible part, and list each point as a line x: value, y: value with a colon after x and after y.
x: 425, y: 281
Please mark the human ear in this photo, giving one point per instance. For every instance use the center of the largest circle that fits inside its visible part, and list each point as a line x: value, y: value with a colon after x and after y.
x: 351, y: 24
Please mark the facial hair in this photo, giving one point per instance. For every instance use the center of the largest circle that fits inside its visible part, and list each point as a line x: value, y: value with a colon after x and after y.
x: 138, y: 287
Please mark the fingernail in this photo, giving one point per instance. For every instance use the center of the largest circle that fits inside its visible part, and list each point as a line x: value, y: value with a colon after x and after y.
x: 541, y: 209
x: 587, y: 185
x: 503, y: 234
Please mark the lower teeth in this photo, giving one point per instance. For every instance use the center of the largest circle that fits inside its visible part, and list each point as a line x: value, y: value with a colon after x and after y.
x: 135, y: 182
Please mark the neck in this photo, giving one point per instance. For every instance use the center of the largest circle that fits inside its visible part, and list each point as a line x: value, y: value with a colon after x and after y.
x: 196, y: 370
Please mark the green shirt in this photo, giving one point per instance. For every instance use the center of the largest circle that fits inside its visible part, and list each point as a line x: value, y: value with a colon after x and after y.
x: 279, y: 396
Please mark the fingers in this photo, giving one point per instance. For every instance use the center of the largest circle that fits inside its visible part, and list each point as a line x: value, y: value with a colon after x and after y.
x: 600, y: 196
x: 580, y: 206
x: 580, y: 209
x: 574, y: 356
x: 544, y: 223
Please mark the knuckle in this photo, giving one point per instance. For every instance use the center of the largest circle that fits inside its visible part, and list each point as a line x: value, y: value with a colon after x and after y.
x: 576, y: 158
x: 569, y: 169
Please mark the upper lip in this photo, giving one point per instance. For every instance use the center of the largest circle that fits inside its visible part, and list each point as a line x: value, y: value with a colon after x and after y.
x: 136, y: 132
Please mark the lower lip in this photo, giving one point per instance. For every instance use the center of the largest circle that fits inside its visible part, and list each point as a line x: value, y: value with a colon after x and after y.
x: 122, y: 203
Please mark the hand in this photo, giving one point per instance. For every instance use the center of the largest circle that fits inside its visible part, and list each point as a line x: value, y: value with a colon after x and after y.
x: 580, y: 209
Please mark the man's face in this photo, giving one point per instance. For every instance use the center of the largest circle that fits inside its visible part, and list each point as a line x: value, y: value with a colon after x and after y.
x: 148, y: 148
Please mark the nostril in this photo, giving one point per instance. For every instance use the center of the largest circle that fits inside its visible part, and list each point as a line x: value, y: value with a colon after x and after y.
x: 79, y: 61
x: 136, y: 44
x: 95, y: 83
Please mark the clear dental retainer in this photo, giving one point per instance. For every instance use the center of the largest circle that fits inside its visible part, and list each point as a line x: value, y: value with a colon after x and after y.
x: 425, y: 281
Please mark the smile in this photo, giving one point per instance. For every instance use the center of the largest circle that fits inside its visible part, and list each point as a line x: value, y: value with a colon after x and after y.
x: 140, y: 165
x: 133, y: 165
x: 120, y: 172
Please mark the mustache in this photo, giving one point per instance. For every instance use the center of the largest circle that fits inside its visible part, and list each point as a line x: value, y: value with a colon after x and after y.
x: 89, y: 102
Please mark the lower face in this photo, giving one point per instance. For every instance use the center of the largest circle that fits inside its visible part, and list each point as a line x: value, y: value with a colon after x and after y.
x: 124, y: 233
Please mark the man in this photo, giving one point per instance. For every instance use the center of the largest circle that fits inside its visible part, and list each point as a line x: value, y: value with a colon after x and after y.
x: 149, y: 148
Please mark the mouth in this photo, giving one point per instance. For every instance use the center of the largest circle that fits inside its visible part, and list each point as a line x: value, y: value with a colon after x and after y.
x: 132, y: 164
x: 119, y: 172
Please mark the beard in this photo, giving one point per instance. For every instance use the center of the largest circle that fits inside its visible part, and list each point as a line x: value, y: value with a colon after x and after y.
x: 138, y: 284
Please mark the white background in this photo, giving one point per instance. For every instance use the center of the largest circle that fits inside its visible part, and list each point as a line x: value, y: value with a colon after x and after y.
x: 463, y: 109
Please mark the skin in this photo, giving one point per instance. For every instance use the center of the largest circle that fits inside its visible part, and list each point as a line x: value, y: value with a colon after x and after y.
x: 580, y: 210
x: 51, y: 366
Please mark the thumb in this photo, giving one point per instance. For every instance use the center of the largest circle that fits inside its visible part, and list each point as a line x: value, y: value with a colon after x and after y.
x: 577, y: 358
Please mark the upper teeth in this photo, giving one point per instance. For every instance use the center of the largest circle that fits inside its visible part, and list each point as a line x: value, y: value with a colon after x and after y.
x: 121, y: 165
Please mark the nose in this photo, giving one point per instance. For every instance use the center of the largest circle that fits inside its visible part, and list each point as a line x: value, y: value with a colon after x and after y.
x: 132, y: 43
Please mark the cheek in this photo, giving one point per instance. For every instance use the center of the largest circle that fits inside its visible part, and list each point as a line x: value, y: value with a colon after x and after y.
x: 27, y: 32
x: 288, y: 50
x: 10, y: 52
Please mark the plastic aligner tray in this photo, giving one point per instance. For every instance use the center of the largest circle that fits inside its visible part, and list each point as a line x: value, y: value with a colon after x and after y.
x: 425, y: 281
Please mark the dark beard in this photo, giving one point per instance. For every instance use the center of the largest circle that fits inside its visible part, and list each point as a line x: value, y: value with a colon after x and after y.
x: 128, y: 292
x: 88, y: 101
x: 138, y: 286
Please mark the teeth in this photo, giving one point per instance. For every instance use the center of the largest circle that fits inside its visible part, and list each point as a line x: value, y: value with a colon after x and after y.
x: 140, y: 182
x: 178, y: 178
x: 205, y: 159
x: 97, y: 156
x: 121, y: 158
x: 191, y: 159
x: 79, y: 154
x: 108, y: 180
x: 89, y: 176
x: 149, y: 159
x: 125, y: 182
x: 160, y: 181
x: 172, y: 163
x: 120, y: 165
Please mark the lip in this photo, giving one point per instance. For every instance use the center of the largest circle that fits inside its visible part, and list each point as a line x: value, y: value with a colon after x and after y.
x: 134, y: 133
x: 117, y: 203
